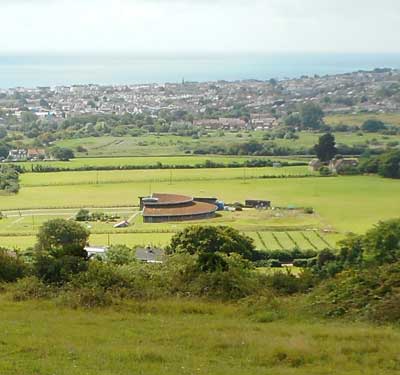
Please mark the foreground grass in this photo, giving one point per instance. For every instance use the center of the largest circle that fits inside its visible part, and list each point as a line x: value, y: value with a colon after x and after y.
x: 185, y: 337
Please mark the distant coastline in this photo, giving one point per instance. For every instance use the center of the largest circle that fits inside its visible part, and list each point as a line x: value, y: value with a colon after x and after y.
x: 36, y: 70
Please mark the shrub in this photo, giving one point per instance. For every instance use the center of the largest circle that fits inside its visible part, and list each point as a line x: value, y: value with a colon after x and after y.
x: 58, y: 270
x: 369, y: 293
x: 11, y: 267
x: 121, y: 255
x: 383, y: 241
x: 82, y: 215
x: 31, y: 288
x: 85, y: 297
x: 301, y: 263
x: 325, y: 171
x: 275, y: 263
x: 284, y: 282
x: 236, y: 281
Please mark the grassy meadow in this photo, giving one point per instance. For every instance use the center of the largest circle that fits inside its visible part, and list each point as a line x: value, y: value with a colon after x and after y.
x: 187, y: 337
x: 144, y: 161
x: 359, y: 118
x: 166, y: 145
x: 163, y: 175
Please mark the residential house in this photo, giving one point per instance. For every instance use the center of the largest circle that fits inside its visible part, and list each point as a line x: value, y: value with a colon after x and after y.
x: 263, y: 121
x: 207, y: 123
x: 232, y: 123
x: 36, y: 154
x: 18, y: 155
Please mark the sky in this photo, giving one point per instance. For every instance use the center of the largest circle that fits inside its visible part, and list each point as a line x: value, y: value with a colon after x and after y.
x: 199, y: 26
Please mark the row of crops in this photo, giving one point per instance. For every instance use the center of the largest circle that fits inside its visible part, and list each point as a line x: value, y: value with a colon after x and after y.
x: 304, y: 240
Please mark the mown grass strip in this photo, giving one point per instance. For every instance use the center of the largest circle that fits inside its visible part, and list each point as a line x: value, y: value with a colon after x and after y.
x: 262, y: 241
x: 324, y: 240
x: 277, y: 240
x: 309, y: 241
x: 293, y: 240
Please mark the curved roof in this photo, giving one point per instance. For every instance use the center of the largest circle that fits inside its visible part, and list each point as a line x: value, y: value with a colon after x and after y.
x: 195, y: 208
x: 169, y: 199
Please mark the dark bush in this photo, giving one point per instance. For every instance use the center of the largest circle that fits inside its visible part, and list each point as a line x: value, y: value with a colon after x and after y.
x: 274, y: 263
x: 301, y: 263
x: 11, y: 267
x: 58, y: 270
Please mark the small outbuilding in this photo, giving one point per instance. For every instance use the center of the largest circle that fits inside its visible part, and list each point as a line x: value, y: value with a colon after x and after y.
x: 257, y: 203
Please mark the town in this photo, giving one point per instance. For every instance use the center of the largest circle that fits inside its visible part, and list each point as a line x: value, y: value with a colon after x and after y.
x: 226, y: 105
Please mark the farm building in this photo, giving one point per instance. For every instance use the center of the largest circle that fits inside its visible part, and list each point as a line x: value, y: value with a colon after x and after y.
x: 314, y: 165
x: 337, y: 165
x: 172, y: 207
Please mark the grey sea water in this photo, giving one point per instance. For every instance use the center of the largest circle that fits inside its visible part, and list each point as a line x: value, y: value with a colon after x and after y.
x: 45, y: 70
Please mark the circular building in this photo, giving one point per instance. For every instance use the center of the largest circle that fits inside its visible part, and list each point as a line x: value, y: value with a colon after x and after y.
x: 172, y: 207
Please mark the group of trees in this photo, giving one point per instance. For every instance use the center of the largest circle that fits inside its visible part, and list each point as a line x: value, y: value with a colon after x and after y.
x: 9, y: 179
x: 386, y: 165
x: 310, y: 116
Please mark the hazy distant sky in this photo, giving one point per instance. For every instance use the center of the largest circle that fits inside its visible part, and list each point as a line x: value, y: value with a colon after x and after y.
x: 187, y: 26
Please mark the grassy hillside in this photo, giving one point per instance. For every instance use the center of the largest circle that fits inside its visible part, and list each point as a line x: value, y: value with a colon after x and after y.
x: 168, y: 145
x: 186, y: 337
x: 358, y: 119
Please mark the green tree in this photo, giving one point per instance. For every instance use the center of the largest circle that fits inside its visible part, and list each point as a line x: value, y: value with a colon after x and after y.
x: 62, y: 237
x: 326, y: 147
x: 4, y: 150
x: 3, y: 133
x: 9, y: 179
x: 382, y: 242
x: 121, y: 255
x: 312, y: 116
x: 62, y: 153
x: 373, y: 126
x: 389, y: 165
x: 208, y: 242
x: 293, y: 120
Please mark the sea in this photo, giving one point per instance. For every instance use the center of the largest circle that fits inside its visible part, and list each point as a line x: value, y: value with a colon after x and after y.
x: 53, y: 70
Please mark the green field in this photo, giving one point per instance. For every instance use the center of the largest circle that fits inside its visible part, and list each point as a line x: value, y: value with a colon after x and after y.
x: 342, y: 204
x: 144, y: 161
x: 149, y: 145
x: 186, y: 337
x: 151, y: 175
x: 358, y: 119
